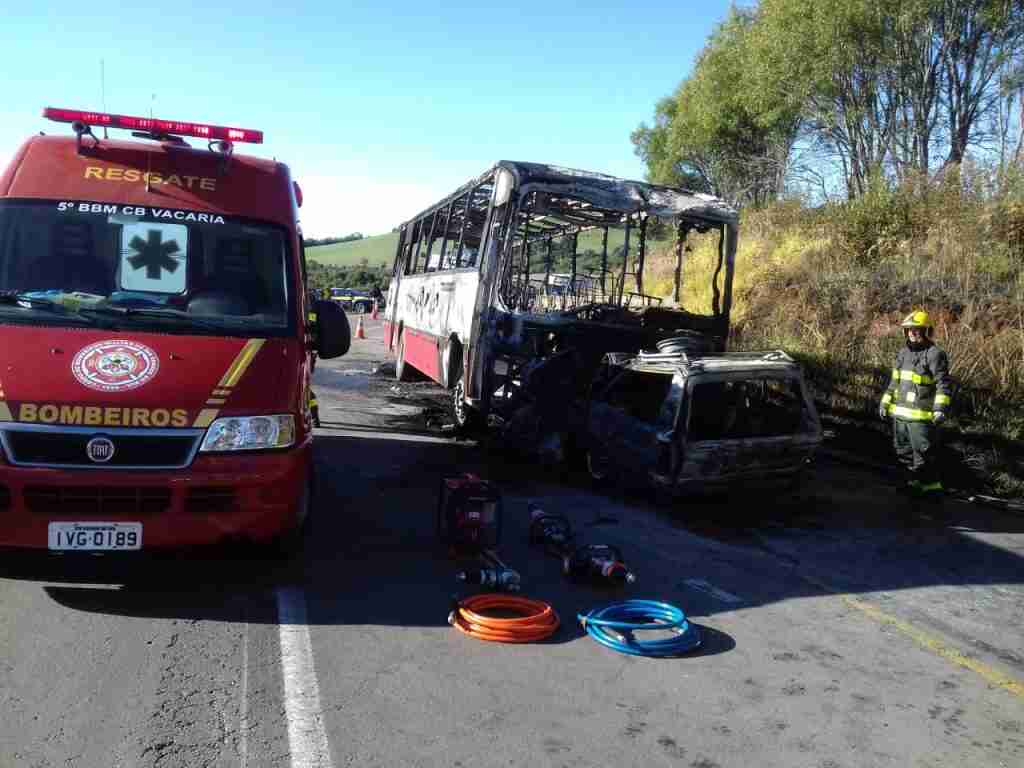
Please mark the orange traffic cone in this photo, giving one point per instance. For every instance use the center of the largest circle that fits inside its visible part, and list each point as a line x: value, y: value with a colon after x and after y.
x: 360, y: 333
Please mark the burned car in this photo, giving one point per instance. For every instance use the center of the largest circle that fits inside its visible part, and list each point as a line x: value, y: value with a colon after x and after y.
x: 680, y: 421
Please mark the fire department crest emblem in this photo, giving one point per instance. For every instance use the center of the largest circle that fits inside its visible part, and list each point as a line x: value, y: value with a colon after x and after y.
x: 115, y: 366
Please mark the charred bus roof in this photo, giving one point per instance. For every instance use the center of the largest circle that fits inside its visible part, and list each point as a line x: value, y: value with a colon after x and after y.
x: 729, y: 362
x: 598, y: 194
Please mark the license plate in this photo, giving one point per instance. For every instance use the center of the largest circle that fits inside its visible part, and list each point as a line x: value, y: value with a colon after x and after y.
x: 95, y: 537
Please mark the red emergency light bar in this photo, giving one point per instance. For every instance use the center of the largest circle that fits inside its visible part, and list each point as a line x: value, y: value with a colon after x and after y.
x: 152, y: 125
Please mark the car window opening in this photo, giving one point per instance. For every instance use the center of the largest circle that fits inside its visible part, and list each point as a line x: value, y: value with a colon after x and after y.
x: 747, y: 408
x: 639, y: 394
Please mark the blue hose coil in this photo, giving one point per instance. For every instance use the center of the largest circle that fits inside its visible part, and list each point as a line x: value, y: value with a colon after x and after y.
x: 614, y: 626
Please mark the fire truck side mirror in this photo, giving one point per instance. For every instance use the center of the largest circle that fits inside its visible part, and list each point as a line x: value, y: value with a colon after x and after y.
x: 333, y: 335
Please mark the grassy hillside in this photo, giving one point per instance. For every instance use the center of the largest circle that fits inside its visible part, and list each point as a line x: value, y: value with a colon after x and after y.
x: 377, y: 250
x: 380, y: 249
x: 832, y: 284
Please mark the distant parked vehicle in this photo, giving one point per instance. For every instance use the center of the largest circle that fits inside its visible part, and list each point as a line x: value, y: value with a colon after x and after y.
x: 683, y: 422
x: 352, y: 299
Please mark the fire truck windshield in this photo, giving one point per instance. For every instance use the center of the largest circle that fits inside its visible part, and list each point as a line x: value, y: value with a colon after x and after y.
x: 135, y: 266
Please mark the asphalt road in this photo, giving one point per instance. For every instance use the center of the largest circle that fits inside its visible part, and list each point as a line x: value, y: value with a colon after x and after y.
x: 843, y: 626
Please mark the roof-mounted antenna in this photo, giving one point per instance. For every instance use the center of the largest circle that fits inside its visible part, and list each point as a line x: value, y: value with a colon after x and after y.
x: 103, y: 92
x: 149, y: 155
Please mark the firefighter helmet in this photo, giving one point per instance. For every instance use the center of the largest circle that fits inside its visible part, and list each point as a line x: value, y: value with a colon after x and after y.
x: 917, y: 319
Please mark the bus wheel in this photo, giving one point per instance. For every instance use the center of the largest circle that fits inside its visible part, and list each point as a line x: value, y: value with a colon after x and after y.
x: 403, y: 372
x: 451, y: 364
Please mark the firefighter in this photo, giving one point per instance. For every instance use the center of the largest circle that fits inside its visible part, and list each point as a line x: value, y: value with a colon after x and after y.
x: 918, y: 398
x: 314, y: 408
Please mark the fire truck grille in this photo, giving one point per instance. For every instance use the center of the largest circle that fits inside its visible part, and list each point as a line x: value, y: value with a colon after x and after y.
x: 65, y: 448
x: 96, y: 501
x: 209, y: 500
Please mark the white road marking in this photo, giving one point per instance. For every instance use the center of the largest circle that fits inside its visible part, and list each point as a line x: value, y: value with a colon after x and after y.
x: 403, y: 437
x: 711, y: 589
x: 307, y: 739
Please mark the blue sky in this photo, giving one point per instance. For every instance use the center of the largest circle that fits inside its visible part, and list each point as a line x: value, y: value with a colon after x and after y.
x: 379, y: 108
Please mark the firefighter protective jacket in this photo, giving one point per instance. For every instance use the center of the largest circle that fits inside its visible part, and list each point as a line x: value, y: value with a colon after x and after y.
x: 920, y: 385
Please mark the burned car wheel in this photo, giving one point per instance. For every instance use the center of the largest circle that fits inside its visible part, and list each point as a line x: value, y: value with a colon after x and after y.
x: 466, y: 418
x: 598, y: 465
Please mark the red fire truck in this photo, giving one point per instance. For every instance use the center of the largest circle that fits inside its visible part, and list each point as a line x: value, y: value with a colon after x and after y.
x: 154, y: 340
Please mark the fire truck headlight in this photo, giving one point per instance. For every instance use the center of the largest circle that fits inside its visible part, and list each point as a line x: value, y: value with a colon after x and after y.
x: 250, y: 433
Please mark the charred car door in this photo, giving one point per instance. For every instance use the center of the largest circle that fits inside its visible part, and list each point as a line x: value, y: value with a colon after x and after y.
x: 627, y: 418
x: 747, y: 428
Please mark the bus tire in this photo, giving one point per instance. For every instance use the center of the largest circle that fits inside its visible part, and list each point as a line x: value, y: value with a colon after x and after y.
x: 403, y: 372
x: 451, y: 363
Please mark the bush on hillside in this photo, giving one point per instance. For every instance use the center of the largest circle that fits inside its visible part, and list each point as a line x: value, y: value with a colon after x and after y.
x: 831, y: 284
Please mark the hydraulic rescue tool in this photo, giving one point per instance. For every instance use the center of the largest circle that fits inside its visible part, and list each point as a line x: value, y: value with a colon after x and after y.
x: 599, y: 564
x: 503, y: 579
x: 468, y: 514
x: 596, y: 563
x: 553, y: 532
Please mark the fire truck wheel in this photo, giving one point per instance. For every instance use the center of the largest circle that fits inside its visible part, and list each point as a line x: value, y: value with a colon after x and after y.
x: 289, y: 544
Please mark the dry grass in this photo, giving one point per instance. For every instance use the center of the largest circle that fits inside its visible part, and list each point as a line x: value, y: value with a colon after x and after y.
x: 831, y: 286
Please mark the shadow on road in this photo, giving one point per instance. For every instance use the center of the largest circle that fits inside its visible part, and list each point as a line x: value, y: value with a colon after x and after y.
x: 372, y: 557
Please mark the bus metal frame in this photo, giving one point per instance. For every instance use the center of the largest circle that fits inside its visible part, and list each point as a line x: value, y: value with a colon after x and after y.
x: 478, y: 303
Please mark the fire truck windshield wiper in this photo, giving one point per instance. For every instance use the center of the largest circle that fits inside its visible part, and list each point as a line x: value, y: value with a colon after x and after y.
x: 145, y: 313
x: 26, y: 300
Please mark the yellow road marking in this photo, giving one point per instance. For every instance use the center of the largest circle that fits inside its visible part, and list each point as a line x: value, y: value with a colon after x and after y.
x: 989, y: 674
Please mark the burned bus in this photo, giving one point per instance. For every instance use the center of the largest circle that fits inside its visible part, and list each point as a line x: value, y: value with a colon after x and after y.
x: 492, y: 298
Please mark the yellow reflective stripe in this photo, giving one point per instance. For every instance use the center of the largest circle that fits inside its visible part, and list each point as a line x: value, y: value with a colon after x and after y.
x: 911, y: 396
x: 911, y: 414
x: 895, y: 374
x: 943, y: 399
x: 886, y: 398
x: 241, y: 363
x: 936, y: 486
x: 917, y: 378
x: 205, y: 418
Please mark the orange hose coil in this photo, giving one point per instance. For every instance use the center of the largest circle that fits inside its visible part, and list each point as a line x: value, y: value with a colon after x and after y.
x: 537, y: 622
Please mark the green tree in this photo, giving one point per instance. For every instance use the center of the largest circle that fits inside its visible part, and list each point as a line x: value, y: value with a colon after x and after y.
x: 885, y: 86
x: 713, y: 131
